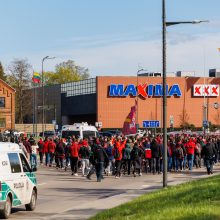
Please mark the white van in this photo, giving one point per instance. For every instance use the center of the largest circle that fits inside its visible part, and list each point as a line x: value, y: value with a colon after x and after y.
x: 81, y: 130
x: 18, y: 185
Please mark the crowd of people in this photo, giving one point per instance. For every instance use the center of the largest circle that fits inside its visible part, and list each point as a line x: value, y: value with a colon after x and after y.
x: 119, y: 155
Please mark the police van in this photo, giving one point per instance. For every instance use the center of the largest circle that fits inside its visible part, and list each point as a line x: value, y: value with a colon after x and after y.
x: 18, y: 185
x: 79, y: 130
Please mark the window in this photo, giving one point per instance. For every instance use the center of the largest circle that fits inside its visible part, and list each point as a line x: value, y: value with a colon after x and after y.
x: 14, y: 162
x: 87, y: 134
x: 66, y: 134
x: 25, y: 165
x: 2, y: 123
x: 2, y: 102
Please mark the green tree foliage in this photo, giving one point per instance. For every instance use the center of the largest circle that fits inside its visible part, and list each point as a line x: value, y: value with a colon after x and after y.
x: 20, y: 80
x: 2, y: 73
x: 66, y: 72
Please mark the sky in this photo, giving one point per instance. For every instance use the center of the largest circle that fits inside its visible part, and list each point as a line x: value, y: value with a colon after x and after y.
x: 114, y: 37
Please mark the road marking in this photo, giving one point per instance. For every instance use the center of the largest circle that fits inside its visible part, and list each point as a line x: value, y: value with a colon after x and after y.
x: 144, y: 186
x: 41, y: 184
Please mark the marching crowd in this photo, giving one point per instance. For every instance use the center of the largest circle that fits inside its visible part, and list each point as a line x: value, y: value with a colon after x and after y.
x: 119, y: 155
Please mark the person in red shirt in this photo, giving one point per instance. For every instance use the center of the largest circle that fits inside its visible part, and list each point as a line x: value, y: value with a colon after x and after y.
x: 74, y: 155
x: 40, y: 149
x: 190, y: 149
x: 51, y: 150
x: 45, y: 151
x: 117, y: 152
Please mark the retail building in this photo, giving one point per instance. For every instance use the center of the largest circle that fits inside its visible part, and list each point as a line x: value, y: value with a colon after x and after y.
x: 108, y: 100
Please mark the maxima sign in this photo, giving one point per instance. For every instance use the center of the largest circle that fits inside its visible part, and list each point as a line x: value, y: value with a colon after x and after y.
x: 143, y: 90
x: 205, y: 90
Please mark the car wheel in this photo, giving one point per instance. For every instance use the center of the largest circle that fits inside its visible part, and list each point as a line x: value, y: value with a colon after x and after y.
x: 5, y: 213
x: 32, y: 205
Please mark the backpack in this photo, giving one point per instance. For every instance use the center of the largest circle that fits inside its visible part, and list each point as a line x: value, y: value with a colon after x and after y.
x: 136, y: 153
x: 109, y: 151
x: 126, y: 154
x: 179, y: 152
x: 116, y: 153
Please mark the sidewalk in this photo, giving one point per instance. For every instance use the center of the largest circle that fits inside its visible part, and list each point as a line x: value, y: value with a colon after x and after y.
x: 122, y: 194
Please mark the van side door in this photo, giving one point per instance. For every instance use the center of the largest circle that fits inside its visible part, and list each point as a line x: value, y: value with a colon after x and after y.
x: 17, y: 184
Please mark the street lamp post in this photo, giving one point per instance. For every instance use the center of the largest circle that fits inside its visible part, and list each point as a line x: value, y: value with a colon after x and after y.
x: 137, y: 124
x: 164, y: 25
x: 43, y: 112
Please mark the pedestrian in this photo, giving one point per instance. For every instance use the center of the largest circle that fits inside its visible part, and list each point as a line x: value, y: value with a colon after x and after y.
x: 27, y: 145
x: 156, y: 155
x: 111, y: 164
x: 33, y: 156
x: 60, y: 153
x: 179, y: 156
x: 51, y: 151
x: 126, y: 158
x: 136, y: 156
x: 208, y: 152
x: 100, y: 158
x: 45, y: 151
x: 40, y: 149
x: 190, y: 148
x: 84, y: 153
x: 74, y: 155
x: 117, y: 152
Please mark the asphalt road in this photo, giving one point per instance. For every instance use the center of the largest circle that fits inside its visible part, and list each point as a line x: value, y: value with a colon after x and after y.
x: 62, y: 196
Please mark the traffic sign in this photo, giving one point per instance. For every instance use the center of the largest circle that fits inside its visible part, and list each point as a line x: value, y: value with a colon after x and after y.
x: 205, y: 123
x: 151, y: 124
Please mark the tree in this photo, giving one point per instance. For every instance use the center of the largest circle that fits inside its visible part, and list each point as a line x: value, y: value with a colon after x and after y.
x: 66, y: 72
x: 2, y: 73
x: 20, y: 80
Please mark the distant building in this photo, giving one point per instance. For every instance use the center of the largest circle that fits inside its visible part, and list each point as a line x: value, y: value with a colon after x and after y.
x: 152, y: 74
x: 7, y: 106
x: 185, y: 73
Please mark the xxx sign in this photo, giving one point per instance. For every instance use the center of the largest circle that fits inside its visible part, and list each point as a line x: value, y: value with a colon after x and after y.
x: 205, y: 90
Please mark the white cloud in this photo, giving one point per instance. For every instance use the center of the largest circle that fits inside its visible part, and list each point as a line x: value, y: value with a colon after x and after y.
x: 189, y: 54
x: 123, y: 58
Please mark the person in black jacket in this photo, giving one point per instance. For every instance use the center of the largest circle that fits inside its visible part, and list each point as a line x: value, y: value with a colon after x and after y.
x: 136, y: 157
x: 208, y: 152
x: 100, y: 158
x: 156, y: 155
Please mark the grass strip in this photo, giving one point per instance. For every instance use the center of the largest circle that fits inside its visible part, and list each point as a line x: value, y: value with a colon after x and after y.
x: 198, y: 199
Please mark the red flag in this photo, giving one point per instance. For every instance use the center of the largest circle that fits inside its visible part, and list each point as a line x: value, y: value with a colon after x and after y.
x: 129, y: 126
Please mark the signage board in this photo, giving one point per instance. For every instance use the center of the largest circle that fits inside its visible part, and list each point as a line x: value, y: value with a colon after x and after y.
x: 151, y: 124
x: 145, y: 90
x: 205, y: 123
x: 201, y: 90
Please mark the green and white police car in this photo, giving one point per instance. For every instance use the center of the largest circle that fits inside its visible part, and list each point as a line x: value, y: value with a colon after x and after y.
x: 18, y: 185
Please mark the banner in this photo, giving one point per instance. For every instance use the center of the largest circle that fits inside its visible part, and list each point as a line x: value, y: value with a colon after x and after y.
x: 129, y: 126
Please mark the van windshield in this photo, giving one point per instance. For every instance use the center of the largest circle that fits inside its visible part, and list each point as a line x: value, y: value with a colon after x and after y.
x: 66, y: 134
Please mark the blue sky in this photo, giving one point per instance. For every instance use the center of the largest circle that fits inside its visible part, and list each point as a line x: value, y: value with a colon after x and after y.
x: 110, y: 37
